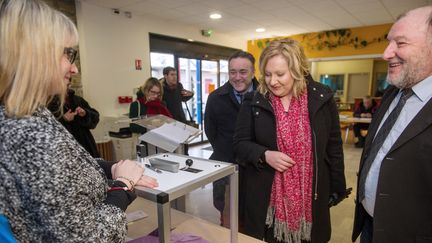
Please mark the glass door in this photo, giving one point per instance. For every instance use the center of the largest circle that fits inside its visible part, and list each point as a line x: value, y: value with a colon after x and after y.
x: 189, y: 75
x: 210, y: 82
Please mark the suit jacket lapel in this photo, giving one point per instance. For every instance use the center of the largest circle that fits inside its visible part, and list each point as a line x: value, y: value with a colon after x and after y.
x: 376, y: 121
x: 227, y: 89
x: 420, y: 122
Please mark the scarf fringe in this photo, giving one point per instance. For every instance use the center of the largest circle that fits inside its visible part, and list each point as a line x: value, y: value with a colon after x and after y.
x: 281, y: 231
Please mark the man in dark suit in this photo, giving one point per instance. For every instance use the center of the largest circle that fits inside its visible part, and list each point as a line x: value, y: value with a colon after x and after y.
x: 394, y: 196
x: 221, y: 115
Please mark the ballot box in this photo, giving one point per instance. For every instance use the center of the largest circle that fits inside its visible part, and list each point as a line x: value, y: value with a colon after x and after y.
x: 192, y: 174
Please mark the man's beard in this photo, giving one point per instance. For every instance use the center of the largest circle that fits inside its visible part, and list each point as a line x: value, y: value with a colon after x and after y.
x: 408, y: 76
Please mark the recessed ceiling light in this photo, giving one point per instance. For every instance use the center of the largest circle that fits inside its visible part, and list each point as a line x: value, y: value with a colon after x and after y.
x: 215, y: 16
x: 259, y: 30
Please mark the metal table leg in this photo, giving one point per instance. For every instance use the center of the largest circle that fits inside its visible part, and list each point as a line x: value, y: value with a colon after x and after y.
x: 234, y: 206
x: 164, y: 222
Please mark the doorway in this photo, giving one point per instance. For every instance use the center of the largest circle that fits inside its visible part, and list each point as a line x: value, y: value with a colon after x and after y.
x: 358, y: 86
x: 202, y: 77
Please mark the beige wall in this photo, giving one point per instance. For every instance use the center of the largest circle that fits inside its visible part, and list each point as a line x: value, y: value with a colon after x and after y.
x: 109, y: 45
x: 346, y: 68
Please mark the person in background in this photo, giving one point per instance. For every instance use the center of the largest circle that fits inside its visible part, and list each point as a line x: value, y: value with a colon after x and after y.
x: 220, y: 117
x: 366, y: 109
x: 394, y: 195
x: 148, y: 103
x: 52, y: 189
x: 174, y: 94
x: 288, y: 141
x: 78, y: 117
x: 149, y: 100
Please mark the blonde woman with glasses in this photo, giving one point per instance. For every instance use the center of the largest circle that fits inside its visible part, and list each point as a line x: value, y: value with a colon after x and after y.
x: 52, y: 190
x: 149, y: 100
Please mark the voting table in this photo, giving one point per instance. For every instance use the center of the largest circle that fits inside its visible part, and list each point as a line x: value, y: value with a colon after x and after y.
x: 188, y: 178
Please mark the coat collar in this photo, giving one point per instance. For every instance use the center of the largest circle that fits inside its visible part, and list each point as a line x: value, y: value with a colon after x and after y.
x: 227, y: 89
x: 421, y: 121
x: 318, y: 95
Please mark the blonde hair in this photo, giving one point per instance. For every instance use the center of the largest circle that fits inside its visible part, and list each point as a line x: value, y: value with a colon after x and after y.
x: 32, y: 41
x: 149, y: 84
x: 298, y: 66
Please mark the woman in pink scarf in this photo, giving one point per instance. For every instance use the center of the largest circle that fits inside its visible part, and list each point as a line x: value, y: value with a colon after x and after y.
x: 289, y: 146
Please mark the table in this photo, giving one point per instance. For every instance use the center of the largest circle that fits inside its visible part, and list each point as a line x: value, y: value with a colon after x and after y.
x: 350, y: 121
x: 175, y: 185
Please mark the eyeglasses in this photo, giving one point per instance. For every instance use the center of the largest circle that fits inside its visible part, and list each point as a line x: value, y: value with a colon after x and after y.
x: 154, y: 93
x: 71, y: 54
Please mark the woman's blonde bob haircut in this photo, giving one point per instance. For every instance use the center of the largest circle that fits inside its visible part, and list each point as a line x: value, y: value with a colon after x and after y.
x: 149, y: 84
x: 32, y: 41
x: 293, y: 53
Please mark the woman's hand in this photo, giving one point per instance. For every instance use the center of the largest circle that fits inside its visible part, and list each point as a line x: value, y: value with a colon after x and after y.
x: 127, y: 171
x: 69, y: 115
x: 147, y: 181
x: 80, y: 111
x: 278, y: 160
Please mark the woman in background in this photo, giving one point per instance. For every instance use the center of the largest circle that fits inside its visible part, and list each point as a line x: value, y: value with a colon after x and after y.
x: 288, y: 136
x: 78, y: 117
x: 52, y: 189
x: 149, y: 100
x: 148, y: 103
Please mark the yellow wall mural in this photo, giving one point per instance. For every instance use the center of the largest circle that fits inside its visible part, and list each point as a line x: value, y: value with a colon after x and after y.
x: 370, y: 40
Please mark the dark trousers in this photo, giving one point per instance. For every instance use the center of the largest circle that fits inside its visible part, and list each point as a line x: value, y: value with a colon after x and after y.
x: 367, y: 231
x: 219, y: 187
x: 358, y: 127
x: 219, y: 201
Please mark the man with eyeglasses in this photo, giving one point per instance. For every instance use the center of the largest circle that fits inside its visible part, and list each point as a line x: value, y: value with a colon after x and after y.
x: 221, y: 115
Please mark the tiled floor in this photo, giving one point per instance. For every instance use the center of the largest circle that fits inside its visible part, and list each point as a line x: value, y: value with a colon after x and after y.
x: 200, y: 202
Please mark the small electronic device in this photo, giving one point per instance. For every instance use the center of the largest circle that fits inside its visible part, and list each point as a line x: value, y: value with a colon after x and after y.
x: 164, y: 164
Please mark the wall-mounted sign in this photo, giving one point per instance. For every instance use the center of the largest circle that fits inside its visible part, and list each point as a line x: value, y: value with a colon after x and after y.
x: 138, y: 64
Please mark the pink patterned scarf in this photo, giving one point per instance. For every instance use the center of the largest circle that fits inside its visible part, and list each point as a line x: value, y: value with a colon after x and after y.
x: 290, y: 208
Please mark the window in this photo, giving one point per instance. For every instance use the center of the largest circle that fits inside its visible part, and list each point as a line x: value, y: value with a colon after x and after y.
x: 335, y: 82
x: 159, y: 61
x: 223, y: 67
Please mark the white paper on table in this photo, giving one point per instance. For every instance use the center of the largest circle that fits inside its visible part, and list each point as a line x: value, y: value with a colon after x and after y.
x: 135, y: 215
x: 168, y: 136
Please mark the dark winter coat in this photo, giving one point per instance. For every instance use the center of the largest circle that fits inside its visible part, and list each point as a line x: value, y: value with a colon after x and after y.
x: 403, y: 206
x: 220, y: 120
x: 256, y: 133
x: 173, y: 100
x: 79, y: 127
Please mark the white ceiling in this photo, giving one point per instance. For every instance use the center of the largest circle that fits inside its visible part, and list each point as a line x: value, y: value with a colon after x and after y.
x: 278, y: 17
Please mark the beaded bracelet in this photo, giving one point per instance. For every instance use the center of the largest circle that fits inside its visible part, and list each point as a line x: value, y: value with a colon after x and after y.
x: 129, y: 180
